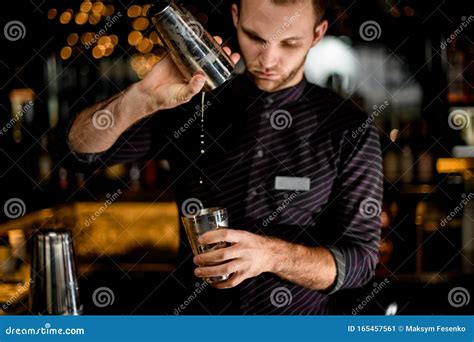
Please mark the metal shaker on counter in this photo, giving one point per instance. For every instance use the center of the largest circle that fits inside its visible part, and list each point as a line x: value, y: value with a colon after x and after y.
x: 191, y: 47
x: 54, y: 288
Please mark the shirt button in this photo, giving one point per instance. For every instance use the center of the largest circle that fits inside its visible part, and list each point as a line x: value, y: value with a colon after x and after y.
x: 260, y: 153
x: 269, y: 101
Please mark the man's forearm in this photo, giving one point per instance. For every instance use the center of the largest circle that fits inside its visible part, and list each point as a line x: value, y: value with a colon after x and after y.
x: 310, y: 267
x: 98, y: 127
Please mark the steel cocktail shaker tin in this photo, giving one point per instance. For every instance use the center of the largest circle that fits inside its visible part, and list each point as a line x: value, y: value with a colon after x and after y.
x: 54, y: 288
x: 191, y: 47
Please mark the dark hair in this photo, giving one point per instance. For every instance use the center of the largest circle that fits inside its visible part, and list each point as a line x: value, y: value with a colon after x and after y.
x: 320, y: 6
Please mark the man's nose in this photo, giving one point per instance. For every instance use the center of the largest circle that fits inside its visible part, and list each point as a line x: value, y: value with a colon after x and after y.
x: 268, y: 57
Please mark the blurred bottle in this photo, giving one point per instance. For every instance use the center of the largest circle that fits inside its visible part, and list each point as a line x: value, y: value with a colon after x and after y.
x: 44, y: 162
x: 407, y: 162
x: 391, y: 164
x: 63, y: 179
x: 7, y: 261
x: 469, y: 74
x: 22, y: 106
x: 150, y: 174
x: 18, y: 244
x: 386, y: 242
x: 426, y: 163
x: 135, y: 175
x: 456, y: 65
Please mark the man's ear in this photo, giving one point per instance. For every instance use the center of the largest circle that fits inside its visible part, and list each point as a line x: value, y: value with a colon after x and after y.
x: 320, y: 32
x: 235, y: 14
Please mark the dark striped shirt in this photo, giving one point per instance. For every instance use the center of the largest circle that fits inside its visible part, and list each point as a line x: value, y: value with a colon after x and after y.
x: 323, y: 144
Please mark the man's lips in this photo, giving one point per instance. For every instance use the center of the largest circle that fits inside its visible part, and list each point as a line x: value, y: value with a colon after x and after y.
x: 266, y: 76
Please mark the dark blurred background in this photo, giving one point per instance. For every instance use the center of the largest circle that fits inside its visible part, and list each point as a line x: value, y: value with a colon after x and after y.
x: 409, y: 64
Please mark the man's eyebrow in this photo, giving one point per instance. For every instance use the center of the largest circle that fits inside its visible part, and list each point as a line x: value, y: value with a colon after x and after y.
x: 252, y: 33
x: 256, y: 35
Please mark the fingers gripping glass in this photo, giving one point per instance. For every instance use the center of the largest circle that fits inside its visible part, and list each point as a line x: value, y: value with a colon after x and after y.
x: 204, y: 221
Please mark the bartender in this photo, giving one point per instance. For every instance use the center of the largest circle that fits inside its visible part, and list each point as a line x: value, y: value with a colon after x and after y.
x: 300, y: 178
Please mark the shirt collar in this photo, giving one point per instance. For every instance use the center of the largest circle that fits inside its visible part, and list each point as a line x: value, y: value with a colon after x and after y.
x: 257, y: 97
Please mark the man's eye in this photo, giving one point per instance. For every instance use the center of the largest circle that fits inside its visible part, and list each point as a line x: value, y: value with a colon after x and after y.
x: 290, y: 44
x: 258, y: 40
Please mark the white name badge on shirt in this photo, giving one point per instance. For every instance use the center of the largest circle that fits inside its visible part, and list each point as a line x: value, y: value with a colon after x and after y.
x: 292, y: 183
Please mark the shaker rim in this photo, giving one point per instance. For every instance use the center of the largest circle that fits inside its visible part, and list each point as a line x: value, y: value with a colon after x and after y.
x: 202, y: 212
x: 159, y: 7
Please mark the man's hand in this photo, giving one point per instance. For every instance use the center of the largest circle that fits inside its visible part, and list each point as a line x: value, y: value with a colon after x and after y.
x: 247, y: 257
x: 165, y: 86
x: 251, y: 255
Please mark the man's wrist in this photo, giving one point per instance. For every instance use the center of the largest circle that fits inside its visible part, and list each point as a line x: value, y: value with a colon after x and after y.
x: 143, y: 98
x: 276, y: 254
x: 297, y: 263
x: 129, y: 106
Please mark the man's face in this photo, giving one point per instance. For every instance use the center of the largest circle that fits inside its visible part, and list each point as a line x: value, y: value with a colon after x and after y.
x: 274, y: 40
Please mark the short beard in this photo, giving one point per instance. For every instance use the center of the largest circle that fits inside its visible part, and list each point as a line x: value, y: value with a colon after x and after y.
x: 284, y: 81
